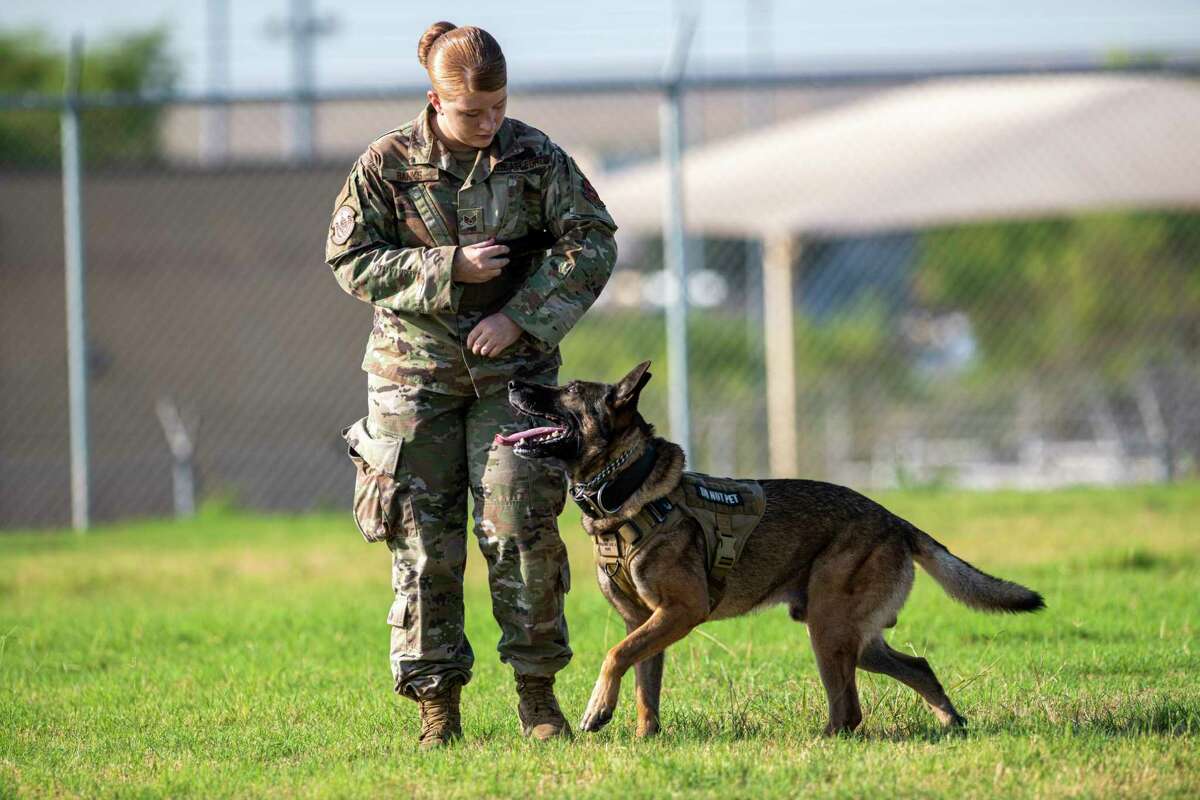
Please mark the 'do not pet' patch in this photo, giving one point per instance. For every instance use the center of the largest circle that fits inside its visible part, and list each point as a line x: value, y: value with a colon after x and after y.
x: 714, y: 496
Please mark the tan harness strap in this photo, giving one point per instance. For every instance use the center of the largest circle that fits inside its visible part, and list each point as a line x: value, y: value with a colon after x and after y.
x: 727, y: 511
x: 725, y: 551
x: 615, y: 549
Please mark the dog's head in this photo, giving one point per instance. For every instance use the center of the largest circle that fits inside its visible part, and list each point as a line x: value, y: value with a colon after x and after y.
x: 579, y: 422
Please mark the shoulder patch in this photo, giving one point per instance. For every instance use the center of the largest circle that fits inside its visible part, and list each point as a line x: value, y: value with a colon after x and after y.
x: 585, y: 187
x: 342, y: 225
x: 523, y: 164
x: 410, y: 174
x: 590, y: 193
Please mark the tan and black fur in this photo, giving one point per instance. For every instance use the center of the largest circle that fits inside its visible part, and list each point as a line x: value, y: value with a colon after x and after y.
x: 842, y: 563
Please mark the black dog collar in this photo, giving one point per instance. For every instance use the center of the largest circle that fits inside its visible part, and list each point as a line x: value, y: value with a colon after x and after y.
x: 609, y: 495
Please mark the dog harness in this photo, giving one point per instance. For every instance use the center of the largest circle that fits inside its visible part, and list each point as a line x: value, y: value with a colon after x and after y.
x: 726, y: 510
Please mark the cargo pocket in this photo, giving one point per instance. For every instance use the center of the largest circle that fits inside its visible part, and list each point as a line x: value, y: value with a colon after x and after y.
x: 379, y: 486
x: 402, y: 617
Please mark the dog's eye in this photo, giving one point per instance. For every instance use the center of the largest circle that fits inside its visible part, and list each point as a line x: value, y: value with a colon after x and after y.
x: 573, y: 388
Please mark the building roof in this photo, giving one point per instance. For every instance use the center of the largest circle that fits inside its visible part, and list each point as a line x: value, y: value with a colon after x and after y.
x: 939, y: 152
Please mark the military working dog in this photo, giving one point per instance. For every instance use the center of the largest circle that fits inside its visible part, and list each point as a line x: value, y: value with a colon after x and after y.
x: 842, y: 563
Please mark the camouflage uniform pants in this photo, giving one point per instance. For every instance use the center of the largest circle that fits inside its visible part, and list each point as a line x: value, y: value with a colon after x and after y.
x: 446, y: 448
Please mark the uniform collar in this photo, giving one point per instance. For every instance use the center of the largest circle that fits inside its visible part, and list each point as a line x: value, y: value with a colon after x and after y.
x: 427, y: 148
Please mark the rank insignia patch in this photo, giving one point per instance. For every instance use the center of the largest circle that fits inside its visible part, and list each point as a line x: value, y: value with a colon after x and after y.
x: 470, y: 220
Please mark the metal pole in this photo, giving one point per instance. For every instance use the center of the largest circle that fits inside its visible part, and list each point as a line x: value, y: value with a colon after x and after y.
x: 216, y: 119
x: 301, y: 28
x: 759, y: 106
x: 674, y: 241
x: 76, y: 299
x: 302, y: 79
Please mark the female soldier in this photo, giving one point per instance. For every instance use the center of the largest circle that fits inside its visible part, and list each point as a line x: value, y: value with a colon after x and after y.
x: 440, y: 226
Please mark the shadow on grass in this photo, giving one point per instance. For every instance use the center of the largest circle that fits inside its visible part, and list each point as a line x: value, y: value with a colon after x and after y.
x: 1156, y: 717
x: 1166, y: 717
x: 1136, y: 559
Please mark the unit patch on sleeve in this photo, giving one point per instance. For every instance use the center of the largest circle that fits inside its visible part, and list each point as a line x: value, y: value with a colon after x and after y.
x: 713, y: 496
x: 590, y: 193
x: 342, y: 225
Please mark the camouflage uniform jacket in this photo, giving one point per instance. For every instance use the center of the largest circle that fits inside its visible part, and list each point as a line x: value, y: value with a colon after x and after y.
x: 405, y: 207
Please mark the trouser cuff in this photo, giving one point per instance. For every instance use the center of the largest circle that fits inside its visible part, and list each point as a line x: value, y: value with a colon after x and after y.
x: 425, y: 686
x: 542, y: 668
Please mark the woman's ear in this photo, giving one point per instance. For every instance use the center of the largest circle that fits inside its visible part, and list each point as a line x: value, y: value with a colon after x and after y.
x: 433, y: 98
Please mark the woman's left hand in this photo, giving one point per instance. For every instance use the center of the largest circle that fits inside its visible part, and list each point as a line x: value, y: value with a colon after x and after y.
x: 493, y: 335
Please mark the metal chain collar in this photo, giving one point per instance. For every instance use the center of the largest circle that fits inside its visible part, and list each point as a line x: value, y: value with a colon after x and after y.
x: 599, y: 477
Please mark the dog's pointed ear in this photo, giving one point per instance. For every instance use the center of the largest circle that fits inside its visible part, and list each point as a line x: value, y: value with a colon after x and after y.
x: 625, y: 392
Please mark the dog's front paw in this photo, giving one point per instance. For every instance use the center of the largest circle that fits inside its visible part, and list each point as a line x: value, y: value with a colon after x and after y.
x: 600, y: 707
x: 595, y: 719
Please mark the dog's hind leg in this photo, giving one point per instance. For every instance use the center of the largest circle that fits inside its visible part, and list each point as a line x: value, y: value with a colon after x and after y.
x: 913, y: 672
x: 836, y: 649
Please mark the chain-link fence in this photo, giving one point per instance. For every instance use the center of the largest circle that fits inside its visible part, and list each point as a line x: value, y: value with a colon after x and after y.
x: 1035, y: 348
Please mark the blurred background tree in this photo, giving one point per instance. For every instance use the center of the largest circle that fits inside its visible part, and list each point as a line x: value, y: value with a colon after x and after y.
x: 1108, y: 303
x: 137, y: 64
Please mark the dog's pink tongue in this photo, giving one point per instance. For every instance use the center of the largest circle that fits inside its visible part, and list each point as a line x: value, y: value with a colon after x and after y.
x: 513, y: 438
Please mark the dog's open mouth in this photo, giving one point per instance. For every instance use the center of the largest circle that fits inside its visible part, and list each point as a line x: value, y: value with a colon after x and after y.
x: 542, y: 434
x: 548, y: 432
x: 552, y: 430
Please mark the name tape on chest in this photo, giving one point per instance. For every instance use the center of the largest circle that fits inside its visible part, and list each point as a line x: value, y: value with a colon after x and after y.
x: 523, y: 164
x: 410, y: 174
x: 714, y: 496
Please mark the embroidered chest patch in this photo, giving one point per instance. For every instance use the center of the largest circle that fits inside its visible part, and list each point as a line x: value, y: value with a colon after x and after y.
x: 470, y: 220
x: 723, y: 498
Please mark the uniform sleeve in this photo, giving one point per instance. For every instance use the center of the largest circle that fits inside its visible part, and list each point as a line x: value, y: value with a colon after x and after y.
x: 570, y: 279
x: 361, y: 248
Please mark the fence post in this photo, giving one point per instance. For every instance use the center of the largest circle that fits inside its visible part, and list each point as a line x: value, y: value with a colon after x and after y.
x: 674, y: 241
x: 779, y: 332
x: 77, y: 376
x: 214, y: 147
x: 181, y: 442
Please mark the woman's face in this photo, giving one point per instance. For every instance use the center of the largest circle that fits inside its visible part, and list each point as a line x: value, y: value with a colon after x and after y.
x: 471, y: 119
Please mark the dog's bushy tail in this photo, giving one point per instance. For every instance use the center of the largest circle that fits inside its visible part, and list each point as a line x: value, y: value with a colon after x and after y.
x: 966, y: 584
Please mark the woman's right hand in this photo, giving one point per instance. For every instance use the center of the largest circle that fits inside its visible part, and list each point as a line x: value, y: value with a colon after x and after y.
x: 477, y: 263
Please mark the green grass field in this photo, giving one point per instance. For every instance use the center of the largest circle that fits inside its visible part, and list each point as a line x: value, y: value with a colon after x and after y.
x: 242, y: 655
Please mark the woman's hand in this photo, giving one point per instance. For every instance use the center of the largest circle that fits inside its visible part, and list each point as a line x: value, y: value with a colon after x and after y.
x: 476, y: 263
x: 493, y: 335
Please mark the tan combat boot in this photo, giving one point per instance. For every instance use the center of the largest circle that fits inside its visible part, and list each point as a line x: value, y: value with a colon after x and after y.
x: 538, y: 709
x: 440, y: 719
